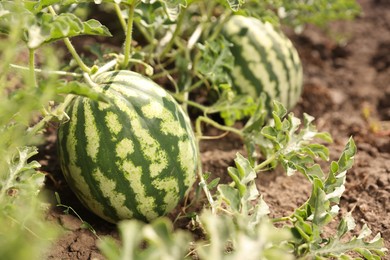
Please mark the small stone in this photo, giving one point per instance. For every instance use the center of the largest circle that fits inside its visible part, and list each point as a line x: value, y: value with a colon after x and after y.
x: 84, y: 242
x: 382, y: 181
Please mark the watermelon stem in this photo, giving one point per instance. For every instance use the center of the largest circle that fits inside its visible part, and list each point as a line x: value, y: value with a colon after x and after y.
x: 209, y: 121
x: 265, y: 163
x: 176, y: 32
x: 71, y: 48
x: 203, y: 184
x: 33, y: 76
x: 129, y: 34
x: 122, y: 20
x: 46, y: 72
x: 58, y: 112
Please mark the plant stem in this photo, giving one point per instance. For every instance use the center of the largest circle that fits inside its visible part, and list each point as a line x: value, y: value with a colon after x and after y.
x: 129, y: 33
x: 145, y: 33
x: 265, y: 163
x: 57, y: 72
x: 122, y: 20
x: 71, y: 49
x: 180, y: 98
x: 33, y: 76
x: 179, y: 23
x: 41, y: 124
x: 202, y: 181
x: 216, y: 125
x: 163, y: 73
x: 76, y: 56
x: 281, y: 219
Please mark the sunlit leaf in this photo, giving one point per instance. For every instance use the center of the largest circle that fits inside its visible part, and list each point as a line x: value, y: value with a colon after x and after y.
x: 49, y: 28
x: 173, y: 7
x: 235, y: 4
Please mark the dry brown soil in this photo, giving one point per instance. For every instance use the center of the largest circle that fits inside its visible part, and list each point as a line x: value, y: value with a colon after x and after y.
x: 347, y: 89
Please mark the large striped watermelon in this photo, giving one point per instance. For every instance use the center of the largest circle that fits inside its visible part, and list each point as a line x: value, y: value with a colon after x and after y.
x: 265, y: 61
x: 134, y: 157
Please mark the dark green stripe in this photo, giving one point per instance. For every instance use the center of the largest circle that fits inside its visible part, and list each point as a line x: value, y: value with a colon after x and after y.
x: 243, y: 64
x: 107, y: 146
x: 277, y: 48
x: 86, y: 163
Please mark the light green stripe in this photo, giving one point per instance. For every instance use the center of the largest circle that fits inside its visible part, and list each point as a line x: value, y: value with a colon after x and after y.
x: 145, y: 203
x: 124, y: 148
x: 75, y: 173
x: 171, y: 188
x: 150, y: 147
x: 187, y: 159
x: 169, y: 125
x: 113, y: 124
x: 116, y: 199
x: 91, y: 131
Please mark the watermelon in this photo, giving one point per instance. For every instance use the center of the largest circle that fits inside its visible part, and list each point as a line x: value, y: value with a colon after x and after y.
x: 134, y: 156
x: 265, y: 61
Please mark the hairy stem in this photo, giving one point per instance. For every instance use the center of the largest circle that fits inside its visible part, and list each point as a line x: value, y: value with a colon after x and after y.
x: 33, y: 76
x: 32, y: 131
x: 145, y: 33
x: 76, y: 56
x: 122, y: 20
x: 179, y: 23
x: 72, y: 50
x: 216, y: 125
x: 129, y: 34
x: 265, y: 163
x: 180, y: 98
x: 56, y: 72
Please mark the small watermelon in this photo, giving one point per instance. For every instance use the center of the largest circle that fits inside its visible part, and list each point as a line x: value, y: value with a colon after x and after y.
x: 132, y: 157
x: 265, y: 61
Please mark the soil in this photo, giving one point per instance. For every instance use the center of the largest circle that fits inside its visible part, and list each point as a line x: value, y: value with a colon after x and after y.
x: 347, y: 89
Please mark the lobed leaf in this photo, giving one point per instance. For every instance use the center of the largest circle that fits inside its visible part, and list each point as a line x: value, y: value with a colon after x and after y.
x: 235, y: 4
x: 173, y: 7
x: 159, y: 239
x: 49, y: 28
x: 217, y: 60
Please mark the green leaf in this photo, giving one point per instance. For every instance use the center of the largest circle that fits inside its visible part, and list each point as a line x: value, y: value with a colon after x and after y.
x: 37, y: 6
x: 163, y: 241
x: 12, y: 13
x: 173, y: 7
x: 346, y: 224
x: 235, y: 4
x: 153, y: 241
x: 127, y: 229
x: 49, y: 28
x: 211, y: 185
x: 370, y: 250
x: 216, y: 60
x: 233, y: 107
x: 258, y: 118
x: 230, y: 196
x: 80, y: 89
x: 317, y: 150
x: 219, y: 230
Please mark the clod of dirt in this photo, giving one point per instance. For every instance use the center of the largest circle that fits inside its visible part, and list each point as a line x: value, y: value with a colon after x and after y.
x: 70, y: 222
x: 381, y: 60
